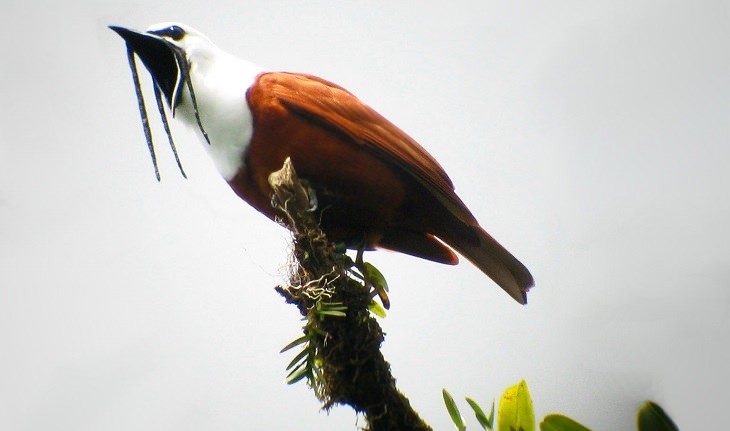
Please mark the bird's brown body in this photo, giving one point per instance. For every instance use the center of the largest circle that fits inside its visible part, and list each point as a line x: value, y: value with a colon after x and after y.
x: 375, y: 185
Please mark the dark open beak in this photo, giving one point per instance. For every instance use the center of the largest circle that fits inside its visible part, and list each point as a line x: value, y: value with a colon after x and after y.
x: 165, y: 62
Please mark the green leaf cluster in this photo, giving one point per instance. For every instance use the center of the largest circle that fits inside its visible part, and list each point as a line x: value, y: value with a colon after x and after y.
x: 306, y: 363
x: 516, y: 414
x: 486, y: 422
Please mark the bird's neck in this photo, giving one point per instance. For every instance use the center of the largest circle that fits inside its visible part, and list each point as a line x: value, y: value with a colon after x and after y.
x: 220, y: 82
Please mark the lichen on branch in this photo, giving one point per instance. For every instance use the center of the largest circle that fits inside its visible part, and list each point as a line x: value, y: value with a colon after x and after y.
x: 340, y: 350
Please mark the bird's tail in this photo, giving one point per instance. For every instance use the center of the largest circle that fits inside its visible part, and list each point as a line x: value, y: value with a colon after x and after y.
x: 494, y: 260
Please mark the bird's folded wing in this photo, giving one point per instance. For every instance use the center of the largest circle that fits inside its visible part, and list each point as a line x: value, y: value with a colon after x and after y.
x: 331, y: 106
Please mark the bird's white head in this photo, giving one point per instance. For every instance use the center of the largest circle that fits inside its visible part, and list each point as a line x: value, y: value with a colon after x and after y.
x: 196, y: 46
x: 204, y: 85
x: 169, y: 50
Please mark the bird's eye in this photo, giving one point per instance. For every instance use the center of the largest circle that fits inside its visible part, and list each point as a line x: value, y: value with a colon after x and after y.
x: 174, y: 32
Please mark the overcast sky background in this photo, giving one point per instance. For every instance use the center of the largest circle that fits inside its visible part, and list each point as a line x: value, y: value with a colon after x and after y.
x: 591, y: 138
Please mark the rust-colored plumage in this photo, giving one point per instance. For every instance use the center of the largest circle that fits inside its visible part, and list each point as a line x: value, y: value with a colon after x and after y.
x: 375, y: 185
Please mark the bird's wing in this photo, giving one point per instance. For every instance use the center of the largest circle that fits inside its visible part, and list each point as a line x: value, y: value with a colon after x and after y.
x: 331, y: 106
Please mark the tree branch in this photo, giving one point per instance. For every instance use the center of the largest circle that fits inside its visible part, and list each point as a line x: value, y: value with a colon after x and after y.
x: 343, y: 362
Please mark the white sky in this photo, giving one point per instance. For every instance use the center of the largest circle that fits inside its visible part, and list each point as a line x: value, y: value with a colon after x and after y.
x: 591, y: 138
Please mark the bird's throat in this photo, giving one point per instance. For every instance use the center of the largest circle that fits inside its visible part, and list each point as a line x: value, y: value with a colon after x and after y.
x: 220, y: 84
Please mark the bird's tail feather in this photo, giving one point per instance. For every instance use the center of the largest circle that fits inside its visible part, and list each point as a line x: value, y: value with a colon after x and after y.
x: 494, y: 261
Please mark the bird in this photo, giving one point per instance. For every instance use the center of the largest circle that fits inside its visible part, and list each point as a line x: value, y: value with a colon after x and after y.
x: 376, y: 187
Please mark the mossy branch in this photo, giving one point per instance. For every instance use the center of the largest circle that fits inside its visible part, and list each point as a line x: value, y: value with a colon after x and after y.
x: 341, y: 356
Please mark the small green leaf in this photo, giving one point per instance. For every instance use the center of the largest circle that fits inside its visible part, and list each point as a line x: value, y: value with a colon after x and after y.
x: 376, y: 277
x: 515, y: 409
x: 297, y: 375
x: 297, y: 359
x: 653, y: 418
x: 335, y: 309
x: 333, y: 313
x: 377, y: 309
x: 486, y: 422
x: 561, y: 423
x: 453, y: 411
x: 301, y: 340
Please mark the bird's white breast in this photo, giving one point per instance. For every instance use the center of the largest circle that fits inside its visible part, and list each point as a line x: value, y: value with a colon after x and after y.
x: 220, y: 83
